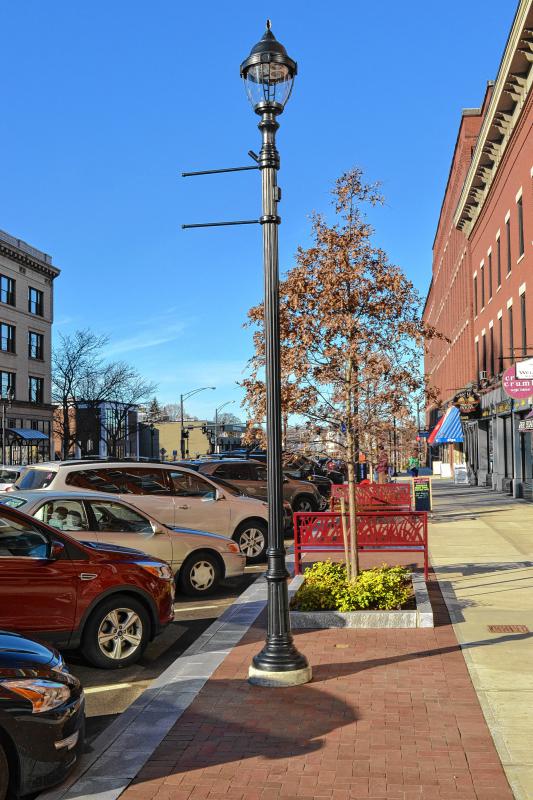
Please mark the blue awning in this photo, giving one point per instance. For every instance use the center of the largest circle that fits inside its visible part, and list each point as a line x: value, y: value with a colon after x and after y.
x: 27, y: 434
x: 451, y: 430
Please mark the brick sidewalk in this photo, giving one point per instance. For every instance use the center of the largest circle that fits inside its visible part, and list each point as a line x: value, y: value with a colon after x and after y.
x: 389, y: 714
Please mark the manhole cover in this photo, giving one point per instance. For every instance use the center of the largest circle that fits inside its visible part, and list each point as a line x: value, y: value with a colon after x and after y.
x: 508, y: 628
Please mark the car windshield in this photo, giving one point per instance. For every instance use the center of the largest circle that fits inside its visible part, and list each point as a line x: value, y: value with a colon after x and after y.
x: 13, y: 502
x: 36, y: 479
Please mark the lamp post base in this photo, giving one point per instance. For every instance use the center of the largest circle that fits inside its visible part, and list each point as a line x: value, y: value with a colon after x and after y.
x: 277, y: 680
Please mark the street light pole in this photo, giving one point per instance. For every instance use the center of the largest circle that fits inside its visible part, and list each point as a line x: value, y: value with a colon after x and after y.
x: 227, y: 403
x: 182, y: 398
x: 268, y: 73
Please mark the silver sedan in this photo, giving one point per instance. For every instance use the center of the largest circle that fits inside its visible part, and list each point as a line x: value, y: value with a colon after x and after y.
x: 199, y: 560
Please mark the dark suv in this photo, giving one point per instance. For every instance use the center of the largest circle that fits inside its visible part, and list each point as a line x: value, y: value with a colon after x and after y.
x: 108, y: 600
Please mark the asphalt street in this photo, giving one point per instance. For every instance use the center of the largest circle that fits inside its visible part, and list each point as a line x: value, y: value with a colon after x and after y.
x: 109, y: 692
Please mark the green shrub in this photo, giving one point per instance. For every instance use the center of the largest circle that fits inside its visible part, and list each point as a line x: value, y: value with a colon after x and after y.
x: 326, y: 588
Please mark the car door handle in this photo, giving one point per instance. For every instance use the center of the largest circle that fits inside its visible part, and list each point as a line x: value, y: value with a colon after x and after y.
x: 88, y: 576
x: 183, y: 507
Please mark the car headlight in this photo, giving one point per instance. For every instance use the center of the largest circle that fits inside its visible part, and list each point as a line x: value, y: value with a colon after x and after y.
x: 159, y: 570
x: 43, y: 694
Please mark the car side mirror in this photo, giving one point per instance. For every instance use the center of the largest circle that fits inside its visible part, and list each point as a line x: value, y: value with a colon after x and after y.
x: 285, y: 480
x: 158, y: 529
x: 219, y: 495
x: 56, y: 549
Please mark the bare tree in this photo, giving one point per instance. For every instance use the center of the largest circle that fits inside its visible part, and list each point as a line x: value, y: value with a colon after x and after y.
x: 83, y: 380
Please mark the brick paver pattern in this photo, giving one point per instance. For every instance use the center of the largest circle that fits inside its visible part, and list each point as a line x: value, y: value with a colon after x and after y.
x: 389, y: 714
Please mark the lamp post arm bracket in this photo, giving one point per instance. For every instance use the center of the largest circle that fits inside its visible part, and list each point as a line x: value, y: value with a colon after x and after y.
x: 216, y: 171
x: 218, y: 224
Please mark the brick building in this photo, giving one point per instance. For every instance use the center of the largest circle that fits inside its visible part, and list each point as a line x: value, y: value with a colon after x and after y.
x: 482, y: 264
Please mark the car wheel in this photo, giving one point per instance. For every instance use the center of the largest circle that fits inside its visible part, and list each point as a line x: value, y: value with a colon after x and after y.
x: 4, y: 774
x: 304, y: 503
x: 200, y: 575
x: 252, y: 540
x: 116, y: 633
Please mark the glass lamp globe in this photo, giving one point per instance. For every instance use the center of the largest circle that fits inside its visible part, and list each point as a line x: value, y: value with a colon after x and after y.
x: 268, y: 74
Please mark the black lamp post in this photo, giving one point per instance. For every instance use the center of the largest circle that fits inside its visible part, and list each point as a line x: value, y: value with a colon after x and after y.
x: 268, y: 75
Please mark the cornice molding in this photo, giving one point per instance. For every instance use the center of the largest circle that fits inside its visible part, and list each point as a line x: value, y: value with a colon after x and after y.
x: 26, y: 260
x: 509, y: 97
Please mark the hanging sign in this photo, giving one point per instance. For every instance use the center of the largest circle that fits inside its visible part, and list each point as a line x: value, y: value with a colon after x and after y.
x: 525, y: 425
x: 422, y: 493
x: 524, y: 369
x: 516, y: 387
x: 468, y: 404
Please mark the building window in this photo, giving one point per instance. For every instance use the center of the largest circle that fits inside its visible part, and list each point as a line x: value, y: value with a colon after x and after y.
x: 475, y: 295
x: 508, y: 229
x: 35, y: 389
x: 482, y: 270
x: 523, y: 322
x: 490, y: 275
x: 478, y: 367
x: 491, y: 351
x: 500, y: 354
x: 498, y: 261
x: 511, y: 334
x: 484, y: 353
x: 7, y: 338
x: 35, y: 302
x: 35, y: 345
x: 520, y: 215
x: 7, y: 384
x: 7, y: 290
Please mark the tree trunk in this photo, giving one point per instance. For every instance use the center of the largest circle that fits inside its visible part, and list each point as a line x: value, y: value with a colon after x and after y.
x: 352, y: 502
x: 65, y: 433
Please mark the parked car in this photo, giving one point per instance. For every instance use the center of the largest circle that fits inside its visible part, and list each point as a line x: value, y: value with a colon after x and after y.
x: 108, y: 600
x: 199, y: 560
x: 305, y: 469
x: 8, y: 476
x: 42, y: 716
x: 251, y: 477
x: 175, y: 495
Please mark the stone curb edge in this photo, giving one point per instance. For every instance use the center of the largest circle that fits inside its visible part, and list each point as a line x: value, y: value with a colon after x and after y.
x: 120, y: 752
x: 421, y: 618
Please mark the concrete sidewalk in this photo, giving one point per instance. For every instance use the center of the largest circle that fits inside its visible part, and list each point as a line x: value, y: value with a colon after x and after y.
x: 481, y: 547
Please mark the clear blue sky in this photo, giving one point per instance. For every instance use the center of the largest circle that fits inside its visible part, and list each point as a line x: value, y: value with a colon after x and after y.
x: 105, y: 103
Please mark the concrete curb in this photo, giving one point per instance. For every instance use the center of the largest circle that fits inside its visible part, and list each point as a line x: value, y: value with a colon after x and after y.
x: 422, y: 617
x: 120, y: 752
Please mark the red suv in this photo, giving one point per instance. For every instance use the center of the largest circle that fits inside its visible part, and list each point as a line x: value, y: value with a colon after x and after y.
x: 108, y: 600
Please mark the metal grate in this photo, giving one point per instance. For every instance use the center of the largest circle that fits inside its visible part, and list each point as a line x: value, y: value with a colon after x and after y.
x: 508, y: 629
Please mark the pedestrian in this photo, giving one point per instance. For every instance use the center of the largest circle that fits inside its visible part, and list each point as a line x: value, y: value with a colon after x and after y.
x: 382, y: 465
x: 413, y: 464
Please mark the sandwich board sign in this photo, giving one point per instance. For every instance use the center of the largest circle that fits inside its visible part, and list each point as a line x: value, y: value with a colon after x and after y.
x: 460, y: 473
x: 422, y: 493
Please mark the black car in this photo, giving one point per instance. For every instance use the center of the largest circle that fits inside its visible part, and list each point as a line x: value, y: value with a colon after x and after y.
x: 42, y: 716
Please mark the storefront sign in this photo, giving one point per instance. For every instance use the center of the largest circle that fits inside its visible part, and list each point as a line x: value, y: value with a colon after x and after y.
x: 468, y: 404
x: 460, y: 473
x: 524, y: 369
x: 423, y: 434
x: 422, y: 492
x: 516, y: 387
x: 525, y: 425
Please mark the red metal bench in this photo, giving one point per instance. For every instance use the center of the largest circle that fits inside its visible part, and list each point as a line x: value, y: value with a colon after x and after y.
x: 374, y: 496
x: 377, y: 531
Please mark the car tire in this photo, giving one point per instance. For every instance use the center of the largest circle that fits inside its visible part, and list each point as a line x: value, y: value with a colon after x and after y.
x: 4, y: 773
x: 304, y: 503
x: 107, y: 642
x: 199, y: 575
x: 252, y: 538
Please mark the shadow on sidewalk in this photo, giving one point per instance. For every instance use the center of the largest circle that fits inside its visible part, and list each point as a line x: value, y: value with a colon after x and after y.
x: 231, y: 721
x: 323, y: 672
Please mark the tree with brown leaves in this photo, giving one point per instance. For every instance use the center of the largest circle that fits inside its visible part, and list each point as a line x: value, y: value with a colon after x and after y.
x: 351, y: 332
